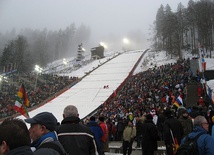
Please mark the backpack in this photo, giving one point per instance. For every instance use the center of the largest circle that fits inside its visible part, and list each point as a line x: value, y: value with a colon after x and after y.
x: 189, y: 147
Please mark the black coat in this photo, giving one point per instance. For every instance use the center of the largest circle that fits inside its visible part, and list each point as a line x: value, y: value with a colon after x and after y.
x: 76, y: 138
x: 138, y: 128
x: 176, y: 128
x: 149, y: 135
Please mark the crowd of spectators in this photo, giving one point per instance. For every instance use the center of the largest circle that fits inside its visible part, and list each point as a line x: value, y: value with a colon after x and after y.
x: 149, y: 92
x: 39, y: 89
x: 152, y: 89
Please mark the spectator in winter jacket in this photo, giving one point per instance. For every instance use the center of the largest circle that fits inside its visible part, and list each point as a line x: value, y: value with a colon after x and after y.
x: 138, y: 131
x: 200, y: 90
x: 113, y: 131
x: 120, y: 128
x: 160, y: 122
x: 149, y: 136
x: 14, y: 138
x: 172, y: 129
x: 194, y: 112
x: 128, y: 137
x: 186, y: 122
x: 42, y: 132
x: 205, y: 141
x: 76, y: 138
x: 104, y: 139
x: 97, y: 131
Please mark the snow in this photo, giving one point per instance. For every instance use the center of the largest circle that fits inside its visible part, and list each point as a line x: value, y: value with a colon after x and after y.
x: 89, y: 94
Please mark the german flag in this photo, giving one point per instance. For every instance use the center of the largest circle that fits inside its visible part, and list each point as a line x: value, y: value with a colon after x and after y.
x: 175, y: 144
x: 178, y: 102
x: 23, y: 95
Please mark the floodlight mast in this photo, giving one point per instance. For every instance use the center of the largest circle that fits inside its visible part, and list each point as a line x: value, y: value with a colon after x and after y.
x: 38, y: 70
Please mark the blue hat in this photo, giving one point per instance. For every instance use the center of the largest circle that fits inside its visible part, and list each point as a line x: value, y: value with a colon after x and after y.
x: 44, y: 118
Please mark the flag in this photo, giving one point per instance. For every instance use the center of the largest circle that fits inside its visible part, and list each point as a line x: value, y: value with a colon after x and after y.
x: 209, y: 92
x: 175, y: 144
x: 21, y: 102
x: 23, y: 95
x: 178, y: 102
x: 19, y: 107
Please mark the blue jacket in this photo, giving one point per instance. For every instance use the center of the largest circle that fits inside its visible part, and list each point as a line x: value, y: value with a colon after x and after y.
x: 98, y: 132
x: 49, y: 137
x: 205, y: 141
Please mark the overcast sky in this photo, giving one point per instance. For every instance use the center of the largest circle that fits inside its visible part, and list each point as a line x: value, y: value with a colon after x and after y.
x: 111, y: 18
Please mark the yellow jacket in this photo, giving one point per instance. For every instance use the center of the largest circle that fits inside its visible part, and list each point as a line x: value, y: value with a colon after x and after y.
x: 129, y: 133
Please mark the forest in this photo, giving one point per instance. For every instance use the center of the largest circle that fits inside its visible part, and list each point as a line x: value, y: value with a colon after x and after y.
x: 30, y: 47
x: 186, y: 29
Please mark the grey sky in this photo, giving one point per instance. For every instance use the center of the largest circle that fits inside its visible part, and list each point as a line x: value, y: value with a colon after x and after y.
x: 106, y: 18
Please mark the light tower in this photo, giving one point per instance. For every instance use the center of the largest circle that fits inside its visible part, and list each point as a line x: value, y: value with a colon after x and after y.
x: 79, y: 55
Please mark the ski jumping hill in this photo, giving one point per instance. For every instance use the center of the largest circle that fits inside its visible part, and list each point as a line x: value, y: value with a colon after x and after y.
x: 95, y: 88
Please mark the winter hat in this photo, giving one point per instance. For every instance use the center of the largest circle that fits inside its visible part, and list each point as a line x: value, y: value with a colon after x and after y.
x: 185, y: 112
x: 168, y: 112
x: 149, y: 117
x: 92, y: 118
x: 101, y: 119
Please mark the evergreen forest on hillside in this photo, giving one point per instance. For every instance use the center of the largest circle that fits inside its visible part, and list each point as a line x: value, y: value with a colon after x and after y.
x: 186, y: 29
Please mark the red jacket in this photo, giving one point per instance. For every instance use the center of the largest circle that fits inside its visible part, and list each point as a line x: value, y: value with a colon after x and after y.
x: 105, y: 131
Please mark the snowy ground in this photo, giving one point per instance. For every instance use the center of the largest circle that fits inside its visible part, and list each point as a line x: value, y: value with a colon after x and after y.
x: 89, y: 94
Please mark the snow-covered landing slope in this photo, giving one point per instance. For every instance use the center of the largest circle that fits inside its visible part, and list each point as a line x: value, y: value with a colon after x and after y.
x: 89, y: 94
